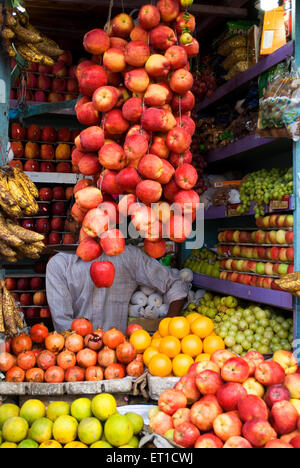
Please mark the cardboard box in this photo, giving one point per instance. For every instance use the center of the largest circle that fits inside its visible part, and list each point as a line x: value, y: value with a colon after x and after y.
x: 150, y: 325
x: 274, y: 34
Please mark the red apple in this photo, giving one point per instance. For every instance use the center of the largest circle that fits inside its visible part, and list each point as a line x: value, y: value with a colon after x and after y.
x: 186, y: 435
x: 208, y: 382
x: 102, y: 274
x: 149, y: 16
x: 276, y: 393
x: 187, y: 385
x: 230, y: 394
x: 252, y: 407
x: 45, y: 194
x: 269, y: 373
x: 284, y: 417
x: 95, y: 222
x: 209, y: 441
x: 228, y: 425
x: 88, y: 250
x: 235, y: 370
x: 172, y: 400
x: 204, y: 413
x: 113, y: 242
x: 186, y: 176
x: 258, y: 432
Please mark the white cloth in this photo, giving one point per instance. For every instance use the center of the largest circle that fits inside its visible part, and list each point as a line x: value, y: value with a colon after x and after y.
x: 72, y: 294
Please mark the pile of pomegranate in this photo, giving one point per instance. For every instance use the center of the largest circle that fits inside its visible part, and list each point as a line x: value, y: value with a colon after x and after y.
x: 136, y: 105
x: 82, y: 354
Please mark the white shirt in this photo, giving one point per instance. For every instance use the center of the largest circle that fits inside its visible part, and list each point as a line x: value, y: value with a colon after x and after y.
x: 72, y: 294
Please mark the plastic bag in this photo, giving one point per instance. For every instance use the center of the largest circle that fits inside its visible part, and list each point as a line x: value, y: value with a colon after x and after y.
x: 279, y: 108
x: 237, y: 55
x: 234, y: 42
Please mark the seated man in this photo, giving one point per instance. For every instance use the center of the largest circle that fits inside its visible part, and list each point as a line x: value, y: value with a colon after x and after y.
x: 71, y: 293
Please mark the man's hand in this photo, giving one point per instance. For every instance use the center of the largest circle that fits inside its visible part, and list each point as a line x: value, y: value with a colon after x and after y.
x: 175, y: 308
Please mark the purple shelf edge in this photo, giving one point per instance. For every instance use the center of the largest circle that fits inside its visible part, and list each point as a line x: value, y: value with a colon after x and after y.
x: 243, y: 78
x: 217, y: 212
x: 237, y: 147
x: 270, y: 297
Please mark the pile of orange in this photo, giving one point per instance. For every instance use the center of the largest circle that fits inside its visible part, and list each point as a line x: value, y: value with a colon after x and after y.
x: 179, y: 342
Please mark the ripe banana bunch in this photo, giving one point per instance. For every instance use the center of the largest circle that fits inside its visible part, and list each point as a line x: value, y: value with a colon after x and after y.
x: 10, y: 317
x: 17, y: 199
x: 290, y: 283
x: 17, y: 193
x: 31, y: 44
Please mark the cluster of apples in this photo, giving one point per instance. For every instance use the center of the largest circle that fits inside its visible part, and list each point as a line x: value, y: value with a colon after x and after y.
x: 44, y: 149
x: 137, y: 108
x: 49, y: 83
x: 233, y: 402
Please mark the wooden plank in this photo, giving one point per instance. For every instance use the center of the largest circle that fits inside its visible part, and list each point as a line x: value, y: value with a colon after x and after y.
x: 214, y: 10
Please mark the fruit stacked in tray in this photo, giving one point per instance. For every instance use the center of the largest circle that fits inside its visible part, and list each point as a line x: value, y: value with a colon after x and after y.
x: 42, y: 149
x: 258, y: 257
x: 51, y: 219
x: 46, y: 83
x: 29, y: 291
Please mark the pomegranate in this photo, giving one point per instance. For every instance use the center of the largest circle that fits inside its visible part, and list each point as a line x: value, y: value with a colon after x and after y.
x: 87, y: 358
x: 7, y: 361
x: 94, y: 374
x: 54, y: 374
x: 35, y: 375
x: 139, y: 357
x: 75, y: 374
x: 126, y: 353
x: 113, y: 338
x: 37, y: 351
x: 46, y: 359
x: 132, y: 328
x: 106, y: 357
x: 66, y: 359
x: 114, y: 371
x: 15, y: 374
x: 21, y: 343
x: 26, y: 360
x: 39, y: 333
x: 135, y: 368
x: 82, y: 326
x: 74, y: 342
x: 93, y: 341
x: 54, y: 342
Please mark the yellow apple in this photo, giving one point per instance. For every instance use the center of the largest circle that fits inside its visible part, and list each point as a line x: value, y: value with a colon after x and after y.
x: 253, y: 387
x: 296, y: 403
x: 287, y: 360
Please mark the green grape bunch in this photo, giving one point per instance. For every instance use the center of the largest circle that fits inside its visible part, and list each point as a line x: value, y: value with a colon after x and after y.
x: 264, y: 186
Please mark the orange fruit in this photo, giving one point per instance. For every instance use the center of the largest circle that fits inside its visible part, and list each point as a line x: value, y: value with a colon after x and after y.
x: 170, y: 346
x: 155, y: 343
x: 181, y: 364
x: 148, y: 355
x: 191, y: 317
x: 202, y: 357
x: 141, y: 340
x: 202, y: 327
x: 191, y: 345
x: 163, y: 328
x: 160, y: 365
x: 179, y: 327
x: 156, y: 336
x: 213, y: 343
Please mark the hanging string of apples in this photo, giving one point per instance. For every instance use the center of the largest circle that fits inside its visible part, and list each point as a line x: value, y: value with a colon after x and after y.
x: 136, y: 104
